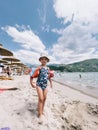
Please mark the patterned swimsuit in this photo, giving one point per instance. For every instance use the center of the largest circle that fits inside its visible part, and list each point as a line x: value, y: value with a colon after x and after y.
x: 43, y: 78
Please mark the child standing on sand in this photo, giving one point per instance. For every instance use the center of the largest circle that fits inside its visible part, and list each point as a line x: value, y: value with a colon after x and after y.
x: 41, y: 83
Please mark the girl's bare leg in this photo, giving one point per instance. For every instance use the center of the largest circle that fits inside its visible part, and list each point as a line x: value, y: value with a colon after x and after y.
x: 44, y: 95
x: 40, y: 100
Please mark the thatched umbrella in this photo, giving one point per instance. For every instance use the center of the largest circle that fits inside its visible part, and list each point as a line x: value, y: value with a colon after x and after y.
x: 3, y: 61
x: 10, y: 58
x: 18, y: 63
x: 5, y: 52
x: 8, y: 64
x: 22, y: 66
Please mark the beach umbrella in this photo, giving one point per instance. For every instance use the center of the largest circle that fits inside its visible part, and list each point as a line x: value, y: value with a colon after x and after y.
x: 21, y: 69
x: 21, y: 65
x: 17, y: 67
x: 3, y: 61
x: 10, y: 58
x: 7, y: 63
x: 5, y: 52
x: 18, y: 63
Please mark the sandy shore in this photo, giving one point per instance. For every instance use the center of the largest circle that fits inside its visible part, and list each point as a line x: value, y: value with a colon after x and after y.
x: 65, y: 108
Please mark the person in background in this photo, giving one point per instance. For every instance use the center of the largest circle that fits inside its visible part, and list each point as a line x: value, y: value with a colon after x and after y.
x: 8, y: 71
x: 80, y: 76
x: 0, y: 69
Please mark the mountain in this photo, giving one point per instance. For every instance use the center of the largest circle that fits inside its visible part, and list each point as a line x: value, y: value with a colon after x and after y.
x: 90, y: 65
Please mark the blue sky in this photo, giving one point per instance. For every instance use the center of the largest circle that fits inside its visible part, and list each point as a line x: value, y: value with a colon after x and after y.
x: 64, y: 29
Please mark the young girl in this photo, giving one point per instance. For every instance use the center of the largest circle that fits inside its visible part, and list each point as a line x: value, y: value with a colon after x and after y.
x: 41, y: 84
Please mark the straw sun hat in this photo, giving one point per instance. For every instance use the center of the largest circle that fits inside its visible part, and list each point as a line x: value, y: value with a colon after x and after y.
x: 43, y: 55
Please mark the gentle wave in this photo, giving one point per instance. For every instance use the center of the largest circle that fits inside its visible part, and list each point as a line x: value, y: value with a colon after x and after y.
x: 85, y: 82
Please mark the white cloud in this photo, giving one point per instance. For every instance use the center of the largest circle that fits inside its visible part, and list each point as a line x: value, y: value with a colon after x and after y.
x: 31, y: 43
x: 25, y: 37
x: 60, y: 31
x: 27, y: 56
x: 75, y: 44
x: 84, y: 10
x: 31, y: 57
x: 43, y: 11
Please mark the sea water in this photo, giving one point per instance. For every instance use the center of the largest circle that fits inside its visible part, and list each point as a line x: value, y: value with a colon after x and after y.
x: 86, y: 82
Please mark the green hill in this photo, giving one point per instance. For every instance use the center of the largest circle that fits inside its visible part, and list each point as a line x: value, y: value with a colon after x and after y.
x: 90, y: 65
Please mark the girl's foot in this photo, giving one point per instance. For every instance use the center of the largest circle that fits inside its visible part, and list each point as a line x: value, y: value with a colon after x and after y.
x: 43, y: 114
x: 40, y: 119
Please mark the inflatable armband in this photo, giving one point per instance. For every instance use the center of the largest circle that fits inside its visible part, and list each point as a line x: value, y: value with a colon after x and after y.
x: 36, y: 73
x: 51, y: 73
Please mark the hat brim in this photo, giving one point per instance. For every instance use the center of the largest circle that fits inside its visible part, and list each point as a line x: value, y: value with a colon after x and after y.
x: 44, y: 57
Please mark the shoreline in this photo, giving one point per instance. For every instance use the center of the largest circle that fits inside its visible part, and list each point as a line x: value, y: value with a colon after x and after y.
x: 78, y: 89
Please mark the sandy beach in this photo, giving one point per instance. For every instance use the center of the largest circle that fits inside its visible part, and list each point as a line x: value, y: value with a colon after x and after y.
x: 65, y: 108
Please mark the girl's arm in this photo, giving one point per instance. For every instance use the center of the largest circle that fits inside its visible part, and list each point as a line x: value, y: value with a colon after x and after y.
x: 50, y: 80
x: 31, y: 82
x: 34, y: 75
